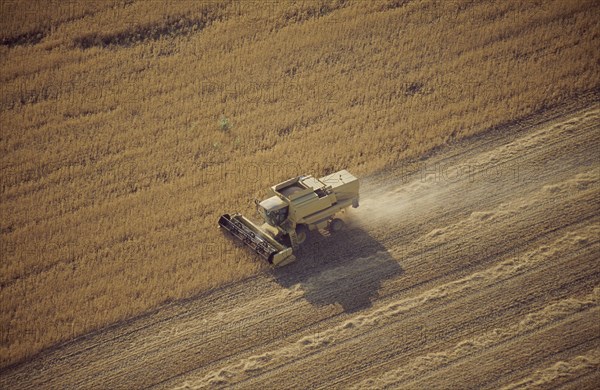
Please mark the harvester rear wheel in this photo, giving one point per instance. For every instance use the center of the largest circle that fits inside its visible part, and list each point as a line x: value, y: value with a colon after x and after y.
x: 301, y: 234
x: 336, y: 225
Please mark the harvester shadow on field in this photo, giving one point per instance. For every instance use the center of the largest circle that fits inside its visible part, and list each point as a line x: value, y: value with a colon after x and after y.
x: 347, y: 268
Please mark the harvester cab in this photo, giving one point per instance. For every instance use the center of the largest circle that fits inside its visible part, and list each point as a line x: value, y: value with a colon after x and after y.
x: 273, y: 210
x: 295, y: 207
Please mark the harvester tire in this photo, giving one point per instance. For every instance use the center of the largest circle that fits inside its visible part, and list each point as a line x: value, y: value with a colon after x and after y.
x: 336, y: 225
x: 301, y: 234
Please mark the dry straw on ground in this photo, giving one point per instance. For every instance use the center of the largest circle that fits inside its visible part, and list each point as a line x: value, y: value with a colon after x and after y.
x: 126, y: 128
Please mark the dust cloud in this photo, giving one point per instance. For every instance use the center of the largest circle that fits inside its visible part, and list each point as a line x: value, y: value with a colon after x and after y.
x: 393, y: 203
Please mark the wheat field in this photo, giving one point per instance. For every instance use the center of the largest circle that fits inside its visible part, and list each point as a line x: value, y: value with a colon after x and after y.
x: 128, y: 127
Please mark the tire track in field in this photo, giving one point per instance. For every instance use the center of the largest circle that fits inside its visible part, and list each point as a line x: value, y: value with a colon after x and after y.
x: 188, y: 342
x: 379, y: 317
x: 507, y: 361
x: 581, y: 182
x: 367, y: 266
x: 259, y: 311
x: 511, y: 172
x: 434, y: 326
x: 561, y: 371
x: 533, y: 321
x: 333, y: 276
x: 541, y: 137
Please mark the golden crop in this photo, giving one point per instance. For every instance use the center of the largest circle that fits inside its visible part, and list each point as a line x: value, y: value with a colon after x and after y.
x: 127, y: 128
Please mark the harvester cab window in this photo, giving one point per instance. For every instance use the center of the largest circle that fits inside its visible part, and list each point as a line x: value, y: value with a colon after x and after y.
x: 276, y: 217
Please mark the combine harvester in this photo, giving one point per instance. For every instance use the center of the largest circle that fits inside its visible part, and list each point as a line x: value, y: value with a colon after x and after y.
x: 297, y: 206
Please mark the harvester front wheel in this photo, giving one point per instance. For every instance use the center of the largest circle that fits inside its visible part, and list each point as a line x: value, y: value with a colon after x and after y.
x: 301, y: 234
x: 336, y: 225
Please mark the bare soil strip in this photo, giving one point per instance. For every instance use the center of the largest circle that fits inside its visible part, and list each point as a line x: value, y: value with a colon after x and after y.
x: 476, y: 267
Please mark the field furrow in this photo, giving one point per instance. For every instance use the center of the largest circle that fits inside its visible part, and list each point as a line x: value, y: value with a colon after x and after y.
x: 128, y: 127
